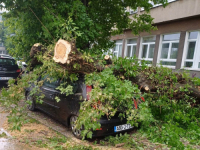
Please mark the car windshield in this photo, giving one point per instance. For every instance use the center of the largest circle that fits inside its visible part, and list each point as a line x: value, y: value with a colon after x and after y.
x: 4, y: 61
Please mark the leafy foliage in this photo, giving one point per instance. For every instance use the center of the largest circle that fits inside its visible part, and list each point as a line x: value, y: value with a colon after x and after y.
x: 166, y: 116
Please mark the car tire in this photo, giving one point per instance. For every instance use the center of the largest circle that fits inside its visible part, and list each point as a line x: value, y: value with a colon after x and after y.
x: 76, y: 132
x: 30, y: 98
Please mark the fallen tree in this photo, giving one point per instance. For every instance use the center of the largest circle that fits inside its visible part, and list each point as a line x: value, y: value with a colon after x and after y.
x: 67, y: 55
x: 124, y: 82
x: 148, y: 80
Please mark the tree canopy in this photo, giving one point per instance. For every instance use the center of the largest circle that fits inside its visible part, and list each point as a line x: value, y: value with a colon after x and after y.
x: 90, y: 22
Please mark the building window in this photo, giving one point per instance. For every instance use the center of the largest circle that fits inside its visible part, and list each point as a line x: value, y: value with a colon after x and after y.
x: 191, y: 54
x: 169, y: 49
x: 156, y: 5
x: 117, y: 51
x: 147, y: 48
x: 130, y: 48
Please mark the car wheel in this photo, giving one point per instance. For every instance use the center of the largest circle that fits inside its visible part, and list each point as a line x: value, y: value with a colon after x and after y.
x: 30, y: 98
x: 76, y: 132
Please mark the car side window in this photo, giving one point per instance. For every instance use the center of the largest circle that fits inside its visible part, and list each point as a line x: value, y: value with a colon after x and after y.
x: 73, y: 84
x: 7, y: 61
x: 50, y: 82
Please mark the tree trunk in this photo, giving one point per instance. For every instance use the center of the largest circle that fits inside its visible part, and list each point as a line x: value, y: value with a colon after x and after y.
x: 35, y: 50
x: 74, y: 61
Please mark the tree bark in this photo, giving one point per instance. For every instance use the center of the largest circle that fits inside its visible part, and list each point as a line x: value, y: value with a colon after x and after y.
x: 35, y: 50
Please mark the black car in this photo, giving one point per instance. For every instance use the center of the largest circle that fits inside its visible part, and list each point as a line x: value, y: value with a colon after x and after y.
x: 8, y: 68
x: 67, y: 109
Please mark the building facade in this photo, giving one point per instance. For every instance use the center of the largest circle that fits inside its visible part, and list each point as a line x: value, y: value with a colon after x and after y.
x: 2, y: 47
x: 3, y: 50
x: 176, y: 43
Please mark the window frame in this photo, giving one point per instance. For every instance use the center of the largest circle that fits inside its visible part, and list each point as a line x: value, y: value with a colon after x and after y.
x: 117, y: 51
x: 157, y: 5
x: 159, y: 59
x: 141, y: 48
x: 195, y: 59
x: 126, y: 49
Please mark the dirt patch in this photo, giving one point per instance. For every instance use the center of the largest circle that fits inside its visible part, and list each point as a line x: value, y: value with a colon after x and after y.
x: 30, y: 133
x: 42, y: 137
x: 3, y: 117
x: 32, y: 130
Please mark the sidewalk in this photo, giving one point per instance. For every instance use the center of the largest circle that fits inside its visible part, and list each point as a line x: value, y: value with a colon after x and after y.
x: 6, y: 141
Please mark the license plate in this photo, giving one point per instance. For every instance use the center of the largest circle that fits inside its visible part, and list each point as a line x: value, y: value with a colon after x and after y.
x: 122, y: 127
x: 5, y: 78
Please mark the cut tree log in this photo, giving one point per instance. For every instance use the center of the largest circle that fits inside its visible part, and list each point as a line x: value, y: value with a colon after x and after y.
x: 108, y: 60
x: 35, y: 50
x: 67, y: 55
x: 61, y: 51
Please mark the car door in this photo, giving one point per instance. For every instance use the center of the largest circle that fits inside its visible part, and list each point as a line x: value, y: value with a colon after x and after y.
x: 49, y: 90
x: 69, y: 105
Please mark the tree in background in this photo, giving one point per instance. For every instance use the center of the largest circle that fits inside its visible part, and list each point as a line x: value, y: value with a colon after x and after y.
x: 90, y: 22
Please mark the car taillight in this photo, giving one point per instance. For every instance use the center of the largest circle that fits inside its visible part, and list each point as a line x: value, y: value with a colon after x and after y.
x: 18, y: 70
x: 99, y: 129
x: 88, y: 89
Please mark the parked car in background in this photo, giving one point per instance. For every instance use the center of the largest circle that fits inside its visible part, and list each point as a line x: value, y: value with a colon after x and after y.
x: 21, y: 63
x: 8, y: 68
x: 67, y: 109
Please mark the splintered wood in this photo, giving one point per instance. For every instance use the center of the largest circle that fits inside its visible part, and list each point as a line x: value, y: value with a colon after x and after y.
x: 61, y: 51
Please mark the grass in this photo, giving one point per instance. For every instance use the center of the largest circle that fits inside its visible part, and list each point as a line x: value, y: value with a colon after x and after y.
x: 130, y: 141
x: 29, y: 131
x: 3, y: 135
